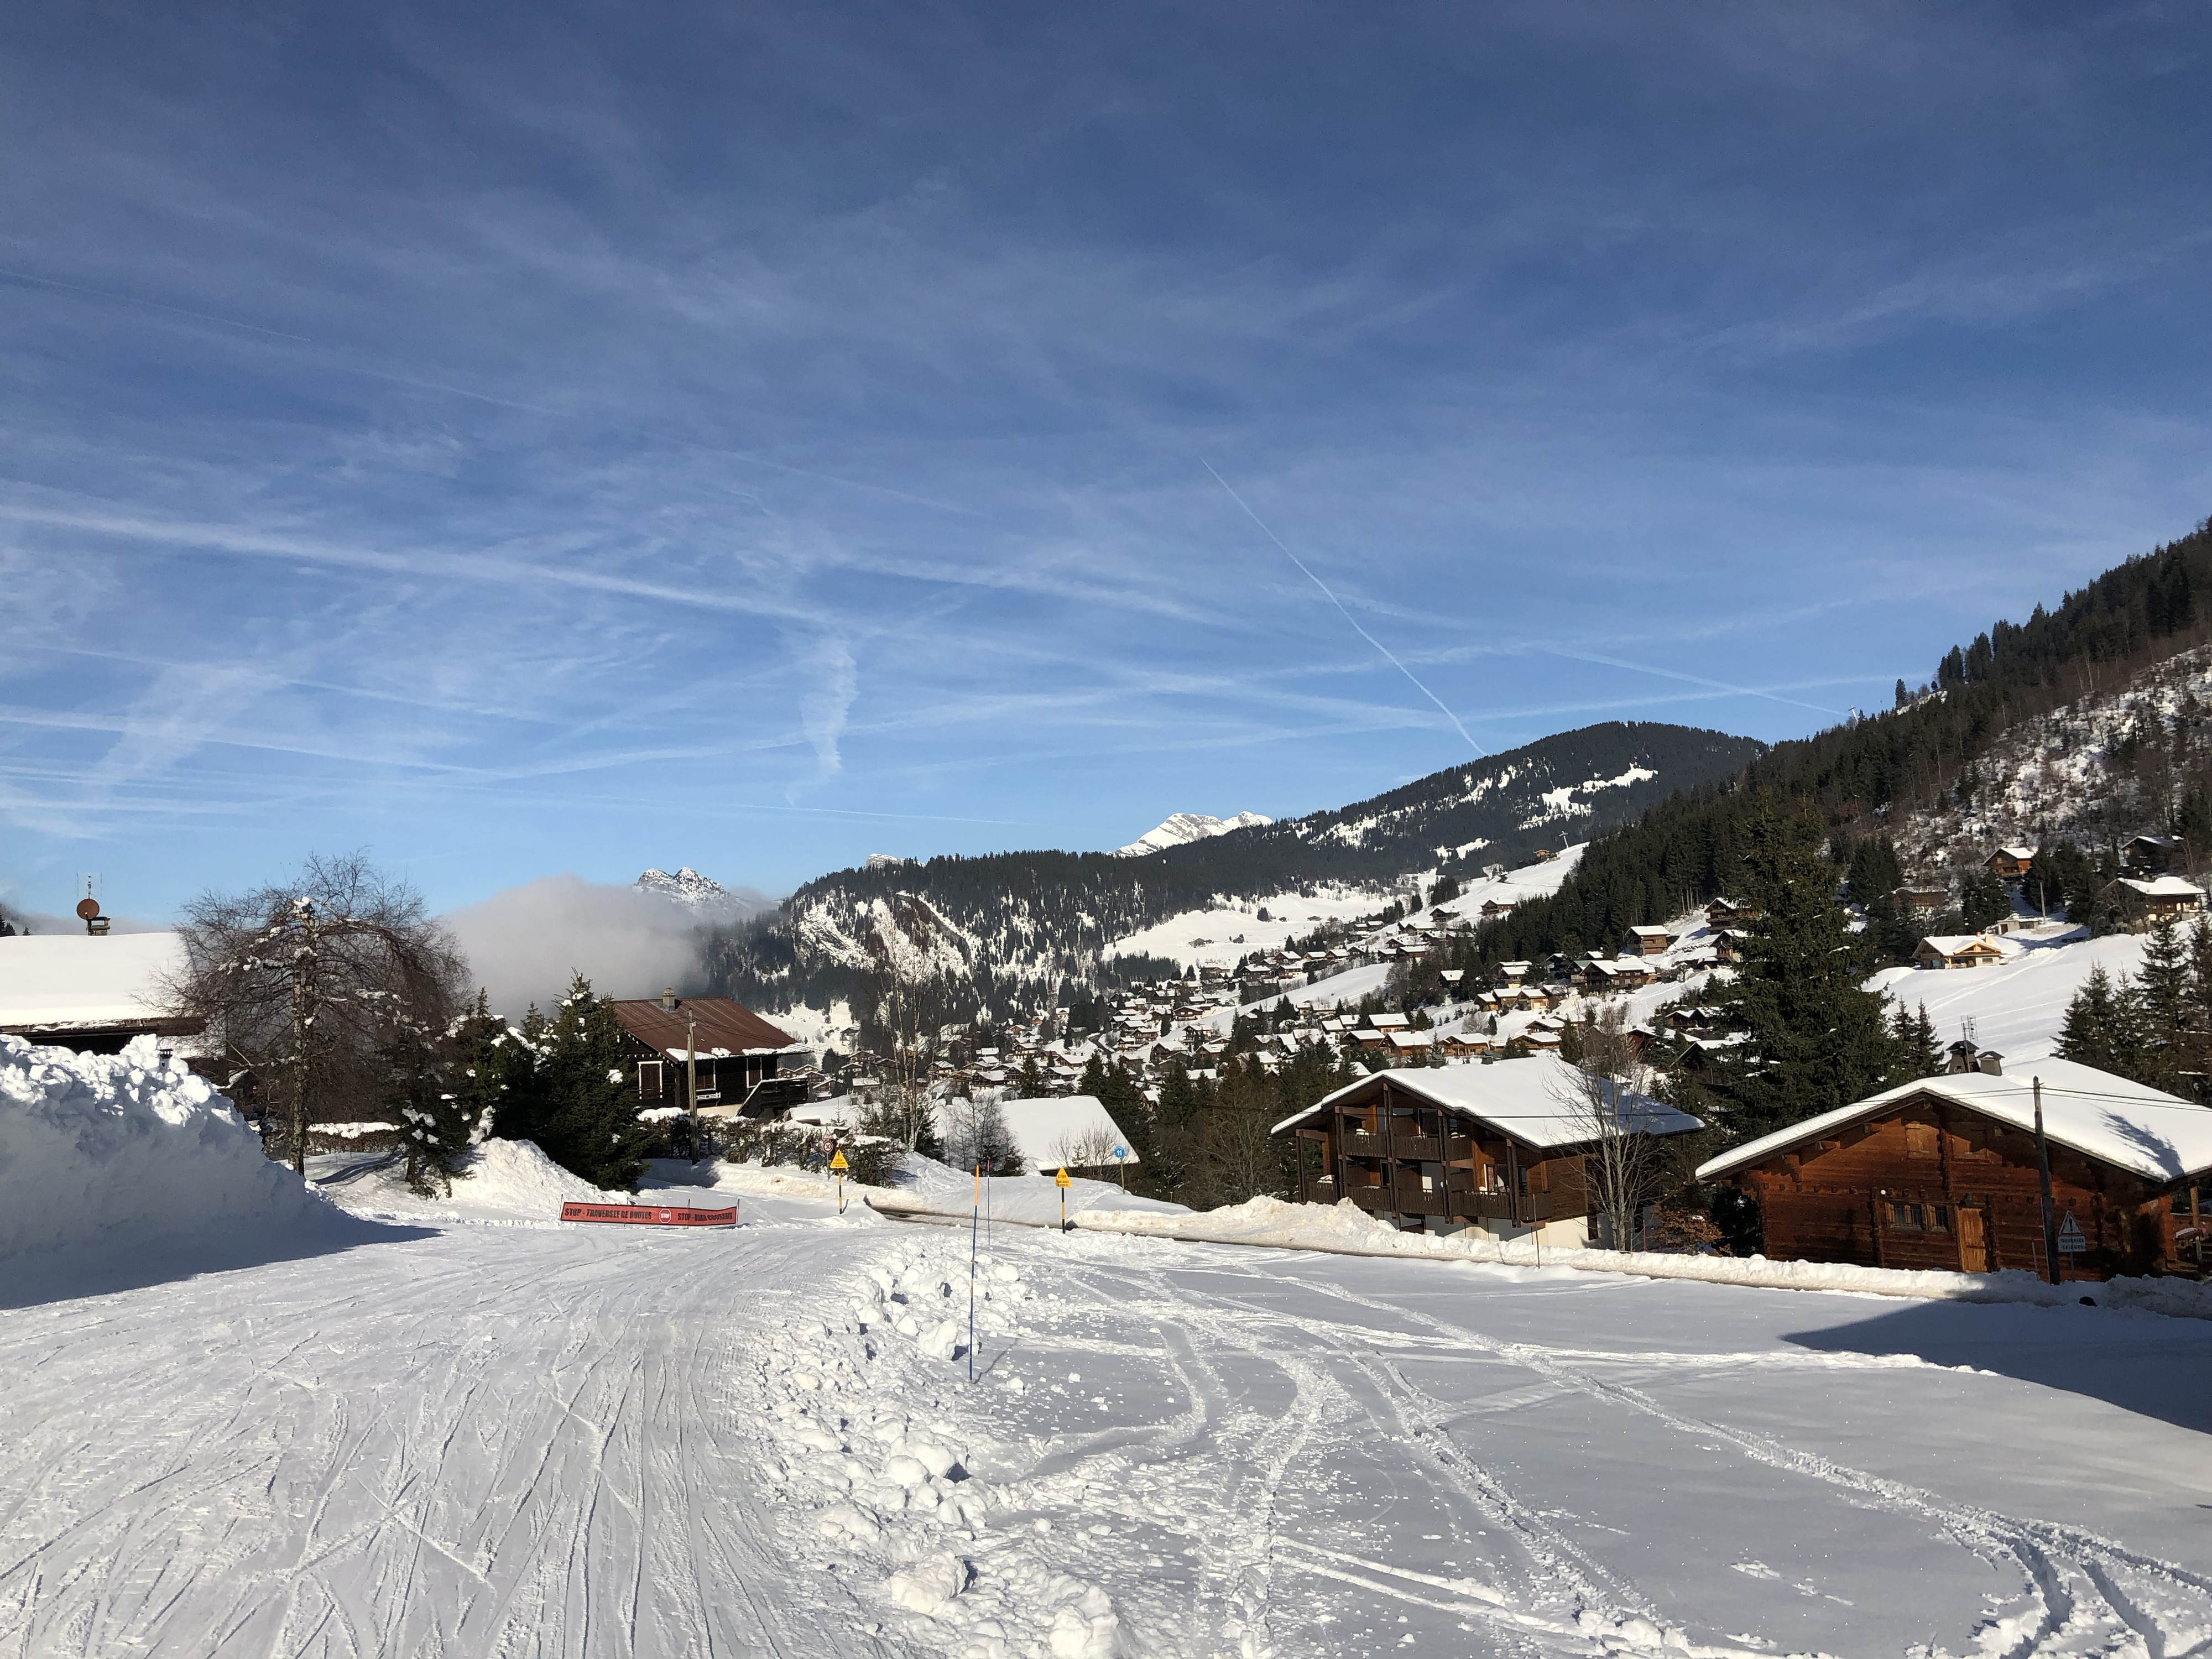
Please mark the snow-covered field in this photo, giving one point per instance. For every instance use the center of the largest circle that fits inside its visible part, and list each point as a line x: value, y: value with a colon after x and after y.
x: 477, y: 1438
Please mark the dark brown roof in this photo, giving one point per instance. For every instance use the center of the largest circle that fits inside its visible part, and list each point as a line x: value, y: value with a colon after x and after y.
x: 722, y: 1023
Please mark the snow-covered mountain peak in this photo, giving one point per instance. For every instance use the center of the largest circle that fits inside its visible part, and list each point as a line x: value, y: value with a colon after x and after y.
x: 1181, y: 829
x: 688, y: 887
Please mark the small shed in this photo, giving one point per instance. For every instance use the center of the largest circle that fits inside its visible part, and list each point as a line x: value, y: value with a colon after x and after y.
x: 1917, y: 904
x: 1942, y: 1173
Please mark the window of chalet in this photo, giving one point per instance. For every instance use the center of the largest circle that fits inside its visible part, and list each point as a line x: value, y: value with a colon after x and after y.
x: 1920, y: 1139
x: 648, y: 1079
x: 1920, y: 1217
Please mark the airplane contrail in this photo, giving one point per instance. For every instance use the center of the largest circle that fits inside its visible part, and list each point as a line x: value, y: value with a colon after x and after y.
x: 1346, y: 615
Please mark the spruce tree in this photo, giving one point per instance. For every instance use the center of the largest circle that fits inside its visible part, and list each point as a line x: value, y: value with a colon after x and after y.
x: 2164, y: 996
x: 1983, y: 901
x: 591, y: 1128
x: 2099, y: 1027
x: 1816, y: 1038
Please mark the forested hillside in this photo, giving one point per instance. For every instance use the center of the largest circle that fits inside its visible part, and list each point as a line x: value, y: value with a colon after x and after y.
x: 1924, y: 759
x: 1017, y: 932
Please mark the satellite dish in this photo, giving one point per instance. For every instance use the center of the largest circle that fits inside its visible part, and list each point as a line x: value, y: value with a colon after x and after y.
x: 87, y: 909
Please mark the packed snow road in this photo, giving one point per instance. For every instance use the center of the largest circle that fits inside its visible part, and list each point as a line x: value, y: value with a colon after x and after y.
x: 520, y: 1440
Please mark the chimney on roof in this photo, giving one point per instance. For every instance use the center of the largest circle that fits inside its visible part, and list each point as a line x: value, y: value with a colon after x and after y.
x: 668, y: 1000
x: 1991, y: 1062
x: 1960, y: 1056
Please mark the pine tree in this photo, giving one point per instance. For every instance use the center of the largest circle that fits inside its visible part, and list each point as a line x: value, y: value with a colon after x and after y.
x: 1817, y: 1039
x: 2098, y: 1029
x: 2164, y: 998
x: 446, y: 1121
x: 1982, y: 901
x: 1914, y: 1036
x: 1031, y: 1081
x: 591, y: 1128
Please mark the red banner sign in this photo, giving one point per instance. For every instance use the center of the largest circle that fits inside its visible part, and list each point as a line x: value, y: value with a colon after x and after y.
x: 649, y: 1215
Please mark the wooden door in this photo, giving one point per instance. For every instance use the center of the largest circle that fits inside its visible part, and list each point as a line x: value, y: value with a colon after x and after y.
x: 1974, y: 1241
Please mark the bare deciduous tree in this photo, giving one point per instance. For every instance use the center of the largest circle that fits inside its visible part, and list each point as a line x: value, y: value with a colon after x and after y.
x: 1609, y: 1108
x: 315, y: 988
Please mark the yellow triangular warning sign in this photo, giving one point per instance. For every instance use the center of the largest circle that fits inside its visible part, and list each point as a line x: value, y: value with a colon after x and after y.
x: 837, y: 1163
x: 1061, y: 1179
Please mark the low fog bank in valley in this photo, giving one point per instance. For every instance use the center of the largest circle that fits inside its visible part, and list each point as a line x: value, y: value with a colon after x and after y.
x: 524, y: 943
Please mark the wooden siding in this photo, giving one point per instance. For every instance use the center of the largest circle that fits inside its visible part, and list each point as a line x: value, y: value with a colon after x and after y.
x: 1888, y: 1193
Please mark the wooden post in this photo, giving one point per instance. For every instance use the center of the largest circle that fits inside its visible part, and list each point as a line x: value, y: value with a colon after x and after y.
x: 691, y: 1078
x: 2052, y: 1269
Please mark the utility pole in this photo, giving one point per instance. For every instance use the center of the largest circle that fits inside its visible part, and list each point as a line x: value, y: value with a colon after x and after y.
x: 691, y: 1078
x: 303, y: 1020
x: 2051, y: 1265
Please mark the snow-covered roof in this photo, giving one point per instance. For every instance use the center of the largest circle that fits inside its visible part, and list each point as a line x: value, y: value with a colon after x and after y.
x: 2131, y: 1125
x: 2024, y: 853
x: 1951, y: 945
x: 1047, y: 1132
x: 2161, y: 887
x: 1650, y: 931
x: 1538, y: 1101
x: 58, y: 982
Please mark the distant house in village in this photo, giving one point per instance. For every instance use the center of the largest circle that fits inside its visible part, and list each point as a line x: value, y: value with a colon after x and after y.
x: 2011, y: 863
x: 743, y: 1063
x: 1498, y: 1148
x: 1918, y: 903
x: 2150, y: 855
x: 1616, y: 973
x: 1646, y: 942
x: 1512, y: 973
x: 1957, y: 950
x: 2138, y: 902
x: 1942, y: 1173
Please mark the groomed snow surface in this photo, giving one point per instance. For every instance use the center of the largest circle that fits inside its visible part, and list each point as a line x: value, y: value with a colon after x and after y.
x: 491, y: 1433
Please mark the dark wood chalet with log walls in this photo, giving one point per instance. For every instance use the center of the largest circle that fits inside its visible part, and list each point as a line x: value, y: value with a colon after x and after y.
x: 743, y: 1062
x: 1943, y: 1173
x: 1498, y: 1148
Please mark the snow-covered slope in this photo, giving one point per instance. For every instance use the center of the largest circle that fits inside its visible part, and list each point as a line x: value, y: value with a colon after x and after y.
x: 1181, y: 829
x: 2101, y: 768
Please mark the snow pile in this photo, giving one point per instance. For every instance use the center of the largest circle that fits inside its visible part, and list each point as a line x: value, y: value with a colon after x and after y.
x: 109, y: 1151
x: 500, y: 1180
x: 855, y: 1404
x: 1346, y: 1229
x: 930, y: 1189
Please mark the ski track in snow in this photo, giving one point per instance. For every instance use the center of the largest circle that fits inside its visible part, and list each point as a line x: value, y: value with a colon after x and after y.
x: 527, y: 1442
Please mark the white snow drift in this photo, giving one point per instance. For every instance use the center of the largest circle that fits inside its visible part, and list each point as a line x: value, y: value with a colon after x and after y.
x: 108, y: 1150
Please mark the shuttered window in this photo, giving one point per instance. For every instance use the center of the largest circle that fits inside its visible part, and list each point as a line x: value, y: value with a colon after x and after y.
x: 648, y: 1079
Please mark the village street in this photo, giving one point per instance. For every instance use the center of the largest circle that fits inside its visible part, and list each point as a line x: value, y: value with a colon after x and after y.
x: 519, y: 1439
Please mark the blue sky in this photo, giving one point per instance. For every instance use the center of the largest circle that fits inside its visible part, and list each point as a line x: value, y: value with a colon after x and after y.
x: 517, y: 439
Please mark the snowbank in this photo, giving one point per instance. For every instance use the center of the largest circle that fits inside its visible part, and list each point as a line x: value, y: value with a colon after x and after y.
x: 930, y: 1189
x: 499, y: 1181
x: 100, y: 1152
x: 1346, y: 1229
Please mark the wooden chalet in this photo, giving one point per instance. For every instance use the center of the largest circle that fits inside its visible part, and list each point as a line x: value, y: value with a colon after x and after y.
x: 1917, y: 904
x: 1646, y: 942
x: 1623, y: 973
x: 1956, y: 951
x: 2011, y: 863
x: 1725, y: 911
x: 1942, y: 1174
x: 90, y: 991
x: 744, y: 1063
x: 2150, y: 855
x: 2140, y: 903
x: 1497, y: 1147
